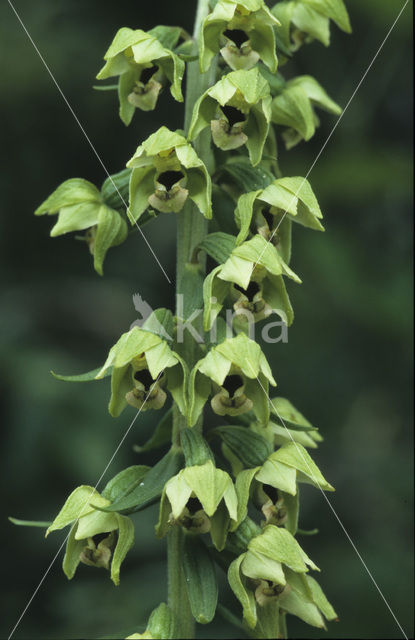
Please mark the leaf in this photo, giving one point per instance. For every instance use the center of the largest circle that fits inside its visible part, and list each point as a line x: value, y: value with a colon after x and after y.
x: 245, y: 176
x: 218, y: 245
x: 195, y: 448
x: 82, y: 377
x: 124, y: 482
x: 160, y: 436
x: 200, y: 576
x: 250, y: 447
x: 29, y: 523
x: 151, y: 487
x: 161, y: 623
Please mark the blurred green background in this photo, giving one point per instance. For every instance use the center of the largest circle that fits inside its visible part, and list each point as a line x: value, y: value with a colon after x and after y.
x: 347, y: 365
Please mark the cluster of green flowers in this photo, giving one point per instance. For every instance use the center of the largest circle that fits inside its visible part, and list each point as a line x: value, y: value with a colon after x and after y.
x: 208, y: 484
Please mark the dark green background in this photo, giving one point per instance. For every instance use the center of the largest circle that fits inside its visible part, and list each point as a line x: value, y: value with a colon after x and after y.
x: 347, y: 365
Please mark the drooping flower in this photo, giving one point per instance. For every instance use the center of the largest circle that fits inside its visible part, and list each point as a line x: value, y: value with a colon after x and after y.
x: 82, y: 207
x: 243, y: 32
x: 167, y: 171
x: 238, y: 110
x: 143, y: 65
x: 142, y: 365
x: 236, y: 374
x: 97, y: 538
x: 201, y: 499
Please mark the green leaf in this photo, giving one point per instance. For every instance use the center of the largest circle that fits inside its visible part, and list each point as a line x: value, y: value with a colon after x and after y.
x: 250, y: 447
x: 29, y: 523
x: 200, y: 576
x: 161, y: 434
x: 218, y: 245
x: 124, y: 482
x: 245, y: 176
x: 151, y: 487
x: 245, y: 596
x: 82, y: 377
x: 195, y: 448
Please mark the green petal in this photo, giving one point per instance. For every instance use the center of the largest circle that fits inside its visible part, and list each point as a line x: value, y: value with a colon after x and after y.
x: 294, y: 455
x: 77, y: 217
x: 71, y: 192
x: 112, y: 230
x: 77, y: 505
x: 72, y: 555
x: 245, y: 596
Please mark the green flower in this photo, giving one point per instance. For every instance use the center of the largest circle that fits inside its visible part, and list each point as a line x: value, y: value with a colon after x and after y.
x: 276, y: 481
x: 270, y: 212
x: 305, y: 20
x: 243, y: 32
x: 142, y: 365
x: 166, y: 171
x: 252, y: 276
x: 294, y: 107
x: 287, y: 424
x: 272, y: 573
x: 143, y: 65
x: 97, y: 538
x: 238, y: 111
x: 201, y: 499
x: 82, y: 207
x: 237, y: 374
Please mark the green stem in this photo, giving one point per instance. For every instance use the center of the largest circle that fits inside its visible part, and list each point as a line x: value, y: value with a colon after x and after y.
x: 191, y: 229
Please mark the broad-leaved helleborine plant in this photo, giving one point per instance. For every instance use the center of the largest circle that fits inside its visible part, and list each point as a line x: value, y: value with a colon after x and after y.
x: 228, y: 481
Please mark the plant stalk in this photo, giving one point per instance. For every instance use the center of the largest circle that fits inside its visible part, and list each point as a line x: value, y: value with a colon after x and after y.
x: 191, y: 229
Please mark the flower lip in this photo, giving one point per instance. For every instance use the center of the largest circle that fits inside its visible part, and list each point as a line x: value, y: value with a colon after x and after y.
x: 147, y: 73
x: 237, y: 36
x: 232, y: 383
x: 194, y: 505
x: 251, y: 291
x: 144, y: 376
x: 169, y: 178
x: 269, y: 218
x: 233, y: 115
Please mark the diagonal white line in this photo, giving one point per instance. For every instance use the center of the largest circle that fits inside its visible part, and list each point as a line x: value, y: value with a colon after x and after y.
x: 335, y: 127
x: 80, y: 513
x: 333, y: 511
x: 86, y: 137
